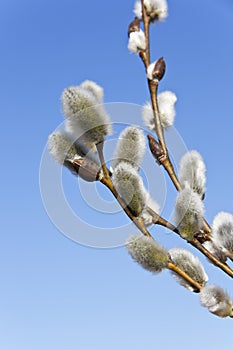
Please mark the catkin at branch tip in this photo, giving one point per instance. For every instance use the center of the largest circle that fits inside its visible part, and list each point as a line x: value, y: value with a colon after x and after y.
x: 95, y: 89
x: 147, y: 253
x: 130, y: 147
x: 190, y: 264
x: 216, y: 300
x: 73, y: 155
x: 61, y: 147
x: 85, y: 117
x: 157, y: 9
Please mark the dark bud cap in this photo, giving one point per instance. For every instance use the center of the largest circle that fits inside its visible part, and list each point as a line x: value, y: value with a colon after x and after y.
x: 86, y: 169
x: 155, y: 149
x: 134, y: 26
x: 159, y: 69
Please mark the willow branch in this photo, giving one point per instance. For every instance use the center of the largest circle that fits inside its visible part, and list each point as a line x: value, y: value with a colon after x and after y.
x: 223, y: 266
x: 165, y: 160
x: 194, y: 242
x: 146, y: 23
x: 153, y: 88
x: 99, y: 148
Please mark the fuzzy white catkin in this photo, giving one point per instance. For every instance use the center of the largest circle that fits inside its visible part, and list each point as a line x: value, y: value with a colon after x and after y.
x: 85, y: 118
x: 222, y: 233
x: 192, y: 171
x: 61, y: 147
x: 157, y: 9
x: 216, y: 251
x: 190, y: 264
x: 216, y: 300
x: 130, y: 147
x: 137, y: 41
x: 147, y: 252
x: 150, y: 70
x: 189, y: 210
x: 130, y: 186
x: 146, y: 216
x: 166, y: 104
x: 65, y: 151
x: 94, y: 88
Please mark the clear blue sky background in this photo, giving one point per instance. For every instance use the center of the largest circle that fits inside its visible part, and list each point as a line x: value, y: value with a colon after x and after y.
x: 56, y: 294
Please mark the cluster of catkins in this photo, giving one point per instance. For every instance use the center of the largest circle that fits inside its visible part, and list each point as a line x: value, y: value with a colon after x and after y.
x: 86, y: 126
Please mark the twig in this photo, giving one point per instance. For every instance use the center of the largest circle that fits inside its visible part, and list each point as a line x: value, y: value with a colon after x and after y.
x: 197, y: 287
x: 194, y: 242
x: 153, y: 88
x: 146, y: 23
x: 99, y: 148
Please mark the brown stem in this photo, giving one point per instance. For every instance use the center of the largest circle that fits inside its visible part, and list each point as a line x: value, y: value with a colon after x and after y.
x: 99, y: 148
x: 167, y: 164
x: 196, y: 286
x: 153, y: 87
x: 146, y: 23
x: 194, y: 242
x: 165, y: 160
x: 143, y: 56
x: 226, y: 268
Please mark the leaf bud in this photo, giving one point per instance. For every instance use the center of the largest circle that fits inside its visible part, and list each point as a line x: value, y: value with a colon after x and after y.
x: 155, y: 149
x: 156, y: 70
x: 86, y: 169
x: 134, y: 26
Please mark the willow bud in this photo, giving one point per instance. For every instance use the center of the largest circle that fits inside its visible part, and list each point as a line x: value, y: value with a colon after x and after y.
x: 86, y: 169
x: 156, y: 70
x: 134, y: 26
x: 155, y: 149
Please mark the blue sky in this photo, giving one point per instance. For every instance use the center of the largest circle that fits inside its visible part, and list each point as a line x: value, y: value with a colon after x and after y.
x: 55, y: 293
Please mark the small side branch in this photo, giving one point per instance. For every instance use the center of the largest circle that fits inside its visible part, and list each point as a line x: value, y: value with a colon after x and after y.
x: 196, y: 286
x: 158, y: 220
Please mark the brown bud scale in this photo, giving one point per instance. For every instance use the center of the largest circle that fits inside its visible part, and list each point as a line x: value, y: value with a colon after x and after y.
x: 134, y: 26
x: 155, y: 149
x: 86, y: 169
x: 159, y: 69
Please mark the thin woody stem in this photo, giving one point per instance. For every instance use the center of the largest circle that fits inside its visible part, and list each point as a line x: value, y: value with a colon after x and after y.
x: 165, y: 160
x: 196, y: 286
x: 223, y: 266
x: 194, y: 242
x: 99, y: 148
x: 146, y: 23
x: 153, y: 87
